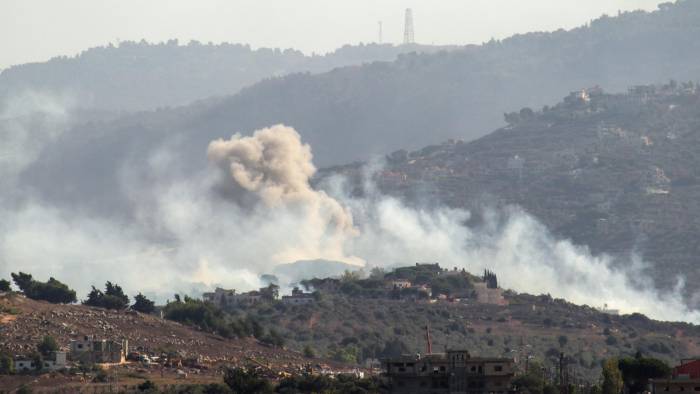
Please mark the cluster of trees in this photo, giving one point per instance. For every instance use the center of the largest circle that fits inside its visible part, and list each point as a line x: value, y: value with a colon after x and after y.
x: 52, y: 291
x: 57, y: 292
x: 208, y: 317
x: 249, y: 380
x: 112, y: 298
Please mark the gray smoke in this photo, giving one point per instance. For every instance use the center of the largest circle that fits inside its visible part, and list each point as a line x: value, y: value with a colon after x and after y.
x: 255, y: 209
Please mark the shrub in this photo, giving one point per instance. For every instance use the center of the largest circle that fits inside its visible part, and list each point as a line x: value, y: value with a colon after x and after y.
x: 47, y: 345
x: 4, y: 285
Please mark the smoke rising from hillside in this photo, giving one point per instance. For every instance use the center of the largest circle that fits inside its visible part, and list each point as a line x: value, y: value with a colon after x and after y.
x: 254, y: 209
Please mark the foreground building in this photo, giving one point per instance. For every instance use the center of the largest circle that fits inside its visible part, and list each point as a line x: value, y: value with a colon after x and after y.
x: 450, y: 373
x: 684, y: 378
x: 89, y: 350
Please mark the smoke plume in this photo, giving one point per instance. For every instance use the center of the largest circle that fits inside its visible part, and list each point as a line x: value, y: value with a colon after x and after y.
x: 254, y: 208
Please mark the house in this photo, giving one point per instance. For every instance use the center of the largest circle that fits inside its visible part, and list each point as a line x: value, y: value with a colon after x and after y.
x: 24, y: 364
x: 488, y: 295
x: 452, y: 372
x: 87, y: 349
x: 399, y: 284
x: 298, y: 297
x: 684, y: 378
x: 224, y: 298
x: 56, y: 361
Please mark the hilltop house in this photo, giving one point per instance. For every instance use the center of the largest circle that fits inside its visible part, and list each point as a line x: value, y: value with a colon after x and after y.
x: 488, y: 295
x: 452, y: 372
x: 90, y: 350
x: 223, y: 298
x: 298, y: 297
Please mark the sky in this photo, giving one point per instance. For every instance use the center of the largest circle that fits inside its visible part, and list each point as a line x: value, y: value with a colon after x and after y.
x: 36, y: 30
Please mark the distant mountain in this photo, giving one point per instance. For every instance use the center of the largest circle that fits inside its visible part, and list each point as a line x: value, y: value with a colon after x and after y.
x: 142, y: 76
x: 615, y: 172
x: 354, y: 112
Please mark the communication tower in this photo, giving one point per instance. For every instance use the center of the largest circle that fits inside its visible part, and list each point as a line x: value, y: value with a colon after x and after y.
x: 408, y: 37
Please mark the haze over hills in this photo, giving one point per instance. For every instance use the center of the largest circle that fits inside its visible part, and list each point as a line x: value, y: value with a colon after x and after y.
x: 355, y: 112
x: 136, y: 76
x: 162, y: 187
x: 612, y: 172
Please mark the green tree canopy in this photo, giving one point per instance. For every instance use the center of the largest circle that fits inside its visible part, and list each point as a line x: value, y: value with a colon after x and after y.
x: 52, y: 291
x: 143, y: 304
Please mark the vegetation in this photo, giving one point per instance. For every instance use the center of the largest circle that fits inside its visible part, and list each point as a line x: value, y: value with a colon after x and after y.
x: 143, y: 304
x: 636, y: 372
x: 5, y: 285
x: 112, y: 298
x: 247, y: 380
x: 52, y: 291
x: 612, y: 377
x: 47, y: 345
x: 7, y: 365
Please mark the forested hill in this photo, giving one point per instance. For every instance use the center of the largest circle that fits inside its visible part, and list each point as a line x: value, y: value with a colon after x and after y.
x: 618, y: 173
x: 143, y: 76
x: 354, y: 112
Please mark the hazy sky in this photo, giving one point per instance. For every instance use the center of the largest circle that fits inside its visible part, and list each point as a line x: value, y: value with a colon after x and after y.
x: 35, y: 30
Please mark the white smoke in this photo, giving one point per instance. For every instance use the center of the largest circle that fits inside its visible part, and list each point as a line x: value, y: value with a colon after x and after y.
x: 255, y: 209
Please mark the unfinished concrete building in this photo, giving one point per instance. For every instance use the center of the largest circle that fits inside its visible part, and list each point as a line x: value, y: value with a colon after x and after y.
x: 450, y: 373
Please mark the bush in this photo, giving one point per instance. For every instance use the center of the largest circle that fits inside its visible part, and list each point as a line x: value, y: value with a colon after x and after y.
x: 246, y: 380
x: 52, y: 291
x: 309, y: 352
x: 47, y: 345
x: 148, y: 387
x: 4, y: 285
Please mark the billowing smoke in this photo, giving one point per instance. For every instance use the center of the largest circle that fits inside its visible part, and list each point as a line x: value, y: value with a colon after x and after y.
x: 254, y: 209
x: 274, y: 168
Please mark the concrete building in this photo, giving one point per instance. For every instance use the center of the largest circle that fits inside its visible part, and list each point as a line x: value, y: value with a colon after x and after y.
x: 450, y: 373
x: 57, y: 361
x: 226, y: 298
x: 24, y: 365
x: 298, y: 297
x: 488, y: 295
x: 89, y: 350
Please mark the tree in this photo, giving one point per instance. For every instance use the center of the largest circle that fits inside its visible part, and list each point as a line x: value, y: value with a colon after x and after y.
x: 612, y: 377
x: 7, y: 365
x: 47, y: 345
x: 52, y: 291
x: 309, y: 352
x: 5, y: 285
x: 246, y: 380
x: 143, y: 304
x: 563, y: 340
x: 112, y: 298
x: 637, y: 371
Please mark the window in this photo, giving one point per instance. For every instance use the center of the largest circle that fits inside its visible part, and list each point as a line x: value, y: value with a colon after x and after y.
x: 498, y: 368
x: 473, y: 369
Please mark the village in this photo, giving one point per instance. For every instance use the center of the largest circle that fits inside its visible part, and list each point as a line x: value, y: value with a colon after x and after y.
x: 411, y: 283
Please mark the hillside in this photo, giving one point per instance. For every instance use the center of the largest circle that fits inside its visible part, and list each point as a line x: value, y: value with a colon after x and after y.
x: 352, y: 113
x: 360, y: 319
x: 615, y: 172
x: 136, y: 76
x: 24, y: 322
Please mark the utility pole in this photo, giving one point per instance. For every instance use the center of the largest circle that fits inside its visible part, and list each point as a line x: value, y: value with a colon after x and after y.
x: 380, y: 32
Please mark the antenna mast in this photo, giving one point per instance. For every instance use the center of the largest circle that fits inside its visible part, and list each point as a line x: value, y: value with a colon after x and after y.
x: 408, y: 37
